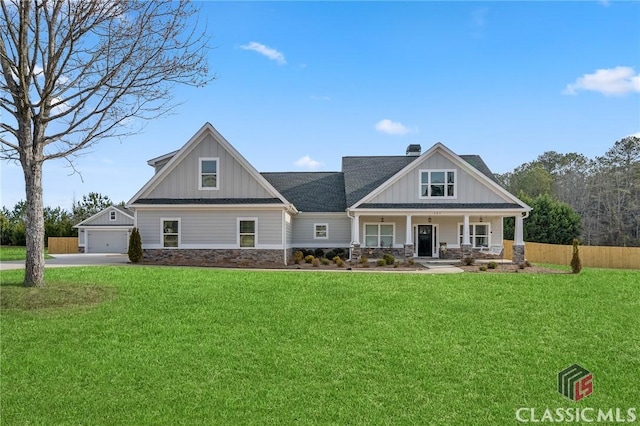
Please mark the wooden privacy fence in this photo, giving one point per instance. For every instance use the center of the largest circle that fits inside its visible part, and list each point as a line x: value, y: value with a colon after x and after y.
x: 591, y: 256
x: 63, y: 245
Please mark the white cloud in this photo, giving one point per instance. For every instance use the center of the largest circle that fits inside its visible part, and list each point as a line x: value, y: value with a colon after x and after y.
x: 391, y: 127
x: 307, y: 163
x: 616, y: 81
x: 267, y: 51
x: 604, y: 3
x: 635, y: 135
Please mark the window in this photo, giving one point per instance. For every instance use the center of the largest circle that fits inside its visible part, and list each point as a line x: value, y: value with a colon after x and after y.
x: 478, y: 234
x: 378, y: 235
x: 247, y: 232
x: 437, y: 183
x: 320, y: 231
x: 170, y: 232
x: 112, y: 215
x: 208, y: 173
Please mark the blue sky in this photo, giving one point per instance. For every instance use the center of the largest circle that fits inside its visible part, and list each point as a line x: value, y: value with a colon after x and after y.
x: 299, y: 85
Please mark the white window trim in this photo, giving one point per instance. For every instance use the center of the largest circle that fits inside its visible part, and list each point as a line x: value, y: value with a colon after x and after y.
x: 162, y: 233
x: 315, y: 231
x: 208, y: 188
x: 472, y: 234
x: 429, y: 171
x: 255, y: 233
x: 393, y: 235
x: 112, y: 216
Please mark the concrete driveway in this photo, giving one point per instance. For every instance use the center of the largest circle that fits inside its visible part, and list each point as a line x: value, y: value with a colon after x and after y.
x: 67, y: 260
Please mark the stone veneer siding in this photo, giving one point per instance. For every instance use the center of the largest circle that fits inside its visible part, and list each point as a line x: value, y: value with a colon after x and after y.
x: 377, y: 253
x: 211, y: 257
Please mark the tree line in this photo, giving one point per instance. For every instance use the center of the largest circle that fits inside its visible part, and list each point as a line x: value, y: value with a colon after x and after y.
x: 595, y: 200
x: 58, y: 222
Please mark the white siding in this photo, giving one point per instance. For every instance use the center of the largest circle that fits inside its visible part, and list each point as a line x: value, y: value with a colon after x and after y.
x: 289, y: 229
x: 234, y: 180
x: 339, y: 230
x: 103, y: 219
x: 204, y: 228
x: 469, y: 188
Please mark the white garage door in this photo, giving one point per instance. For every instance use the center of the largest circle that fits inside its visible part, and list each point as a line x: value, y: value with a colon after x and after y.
x: 107, y: 241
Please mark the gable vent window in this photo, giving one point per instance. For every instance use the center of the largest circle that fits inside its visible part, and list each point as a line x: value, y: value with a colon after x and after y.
x: 437, y: 184
x: 112, y: 216
x: 208, y: 173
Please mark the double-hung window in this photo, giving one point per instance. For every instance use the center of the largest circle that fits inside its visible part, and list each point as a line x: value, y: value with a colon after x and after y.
x: 112, y: 216
x: 320, y: 231
x: 378, y: 235
x: 208, y: 173
x: 437, y: 183
x: 478, y: 234
x: 170, y: 232
x: 247, y: 232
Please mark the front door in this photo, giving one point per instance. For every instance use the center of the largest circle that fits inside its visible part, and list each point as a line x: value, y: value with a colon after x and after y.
x: 425, y: 240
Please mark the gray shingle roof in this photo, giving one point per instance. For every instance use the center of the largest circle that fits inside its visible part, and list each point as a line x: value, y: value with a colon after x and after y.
x: 311, y: 191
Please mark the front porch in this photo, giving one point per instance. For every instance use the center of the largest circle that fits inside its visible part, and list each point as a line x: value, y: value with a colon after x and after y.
x: 446, y: 235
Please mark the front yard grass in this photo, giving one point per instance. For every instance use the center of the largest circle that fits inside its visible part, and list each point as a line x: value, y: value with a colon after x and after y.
x: 209, y: 346
x: 17, y: 253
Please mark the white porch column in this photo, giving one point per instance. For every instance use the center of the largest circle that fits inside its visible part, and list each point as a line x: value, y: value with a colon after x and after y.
x: 409, y: 235
x: 466, y: 239
x: 356, y: 228
x: 518, y: 237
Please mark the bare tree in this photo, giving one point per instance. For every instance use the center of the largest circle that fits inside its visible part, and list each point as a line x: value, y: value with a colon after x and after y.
x: 76, y: 72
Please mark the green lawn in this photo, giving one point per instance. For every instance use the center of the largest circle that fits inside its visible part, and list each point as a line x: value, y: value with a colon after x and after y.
x: 209, y: 346
x: 17, y: 253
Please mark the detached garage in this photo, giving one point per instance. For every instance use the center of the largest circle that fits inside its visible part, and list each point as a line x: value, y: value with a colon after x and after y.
x: 106, y: 232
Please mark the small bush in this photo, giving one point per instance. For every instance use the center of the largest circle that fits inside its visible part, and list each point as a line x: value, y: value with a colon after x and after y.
x: 298, y: 257
x: 492, y: 265
x: 315, y: 262
x: 339, y: 262
x: 397, y: 264
x: 468, y: 261
x: 307, y: 252
x: 135, y: 246
x: 483, y: 268
x: 330, y: 254
x: 576, y: 263
x: 336, y: 259
x: 340, y: 252
x: 364, y: 261
x: 411, y: 262
x: 309, y: 258
x: 325, y: 261
x: 388, y: 259
x: 318, y: 252
x: 522, y: 265
x: 381, y: 262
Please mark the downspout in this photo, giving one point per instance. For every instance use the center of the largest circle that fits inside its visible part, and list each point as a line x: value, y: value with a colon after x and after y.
x: 353, y: 218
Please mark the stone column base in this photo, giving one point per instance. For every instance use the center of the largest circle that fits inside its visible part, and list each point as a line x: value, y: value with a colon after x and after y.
x: 355, y: 252
x: 408, y: 251
x: 518, y: 254
x: 466, y: 250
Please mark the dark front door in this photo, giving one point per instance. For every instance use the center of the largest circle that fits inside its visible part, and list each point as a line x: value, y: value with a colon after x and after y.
x: 425, y: 240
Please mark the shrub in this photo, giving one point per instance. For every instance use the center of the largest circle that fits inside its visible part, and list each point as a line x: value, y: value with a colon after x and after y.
x: 397, y: 264
x: 325, y: 261
x: 307, y: 252
x: 364, y: 260
x: 339, y: 262
x: 309, y: 258
x: 468, y: 261
x: 388, y: 259
x: 318, y: 252
x: 576, y: 263
x: 336, y: 259
x: 522, y: 265
x: 381, y: 262
x: 298, y: 257
x: 315, y: 262
x: 492, y: 265
x: 483, y: 268
x: 411, y: 262
x: 135, y: 246
x: 330, y: 254
x: 339, y: 252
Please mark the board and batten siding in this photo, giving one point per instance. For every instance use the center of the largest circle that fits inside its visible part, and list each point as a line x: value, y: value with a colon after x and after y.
x: 234, y: 180
x: 103, y: 219
x: 210, y: 229
x: 339, y: 230
x: 407, y: 188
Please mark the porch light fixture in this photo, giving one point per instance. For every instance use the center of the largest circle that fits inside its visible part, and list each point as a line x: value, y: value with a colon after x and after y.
x: 480, y: 219
x: 429, y: 219
x: 381, y: 218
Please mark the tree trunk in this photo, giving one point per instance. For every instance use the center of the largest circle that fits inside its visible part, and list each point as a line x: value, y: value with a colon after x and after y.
x: 34, y: 269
